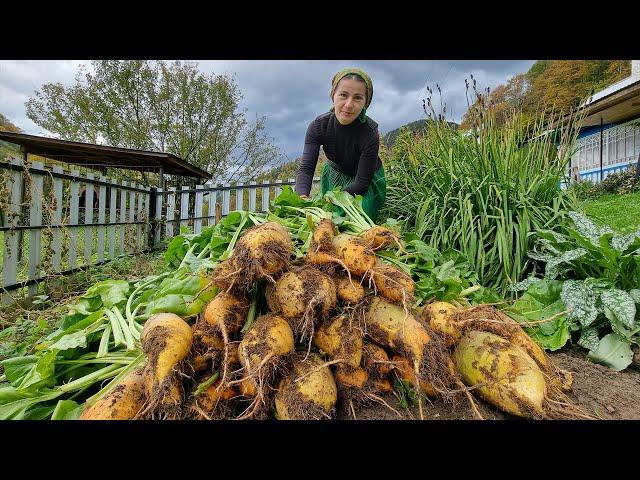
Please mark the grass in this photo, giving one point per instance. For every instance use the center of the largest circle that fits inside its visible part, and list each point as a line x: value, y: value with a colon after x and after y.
x: 620, y: 212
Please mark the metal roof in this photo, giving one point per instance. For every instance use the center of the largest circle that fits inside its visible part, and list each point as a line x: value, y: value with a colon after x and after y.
x: 91, y: 155
x: 614, y: 104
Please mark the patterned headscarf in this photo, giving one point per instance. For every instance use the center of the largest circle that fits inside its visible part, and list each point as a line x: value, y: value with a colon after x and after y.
x: 367, y: 80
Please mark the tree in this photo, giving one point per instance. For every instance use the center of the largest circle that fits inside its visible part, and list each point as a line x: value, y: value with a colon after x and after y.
x: 549, y: 85
x: 159, y: 106
x: 504, y: 100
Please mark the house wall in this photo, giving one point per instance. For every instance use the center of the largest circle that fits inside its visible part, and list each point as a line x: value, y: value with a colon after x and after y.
x: 620, y: 144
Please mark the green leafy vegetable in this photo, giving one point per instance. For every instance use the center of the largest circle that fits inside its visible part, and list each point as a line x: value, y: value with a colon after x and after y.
x: 613, y: 351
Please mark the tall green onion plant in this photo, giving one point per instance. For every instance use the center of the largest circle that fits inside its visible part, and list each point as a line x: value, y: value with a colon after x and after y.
x: 483, y: 190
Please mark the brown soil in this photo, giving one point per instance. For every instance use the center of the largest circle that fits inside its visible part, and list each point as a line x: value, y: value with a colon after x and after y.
x: 598, y: 390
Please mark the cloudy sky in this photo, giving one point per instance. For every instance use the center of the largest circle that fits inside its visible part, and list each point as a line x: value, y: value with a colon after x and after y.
x: 291, y: 93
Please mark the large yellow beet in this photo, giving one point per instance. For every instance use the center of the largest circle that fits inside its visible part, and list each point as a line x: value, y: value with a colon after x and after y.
x: 122, y: 403
x: 350, y: 291
x: 304, y: 288
x: 440, y: 317
x: 356, y: 255
x: 492, y: 320
x: 323, y: 236
x: 166, y: 340
x: 270, y: 337
x: 308, y: 393
x: 389, y: 325
x: 392, y: 283
x: 339, y: 339
x: 263, y: 251
x: 380, y: 237
x: 226, y: 312
x: 508, y: 377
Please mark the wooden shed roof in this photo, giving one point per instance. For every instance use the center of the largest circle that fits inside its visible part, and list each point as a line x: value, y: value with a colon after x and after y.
x: 91, y: 155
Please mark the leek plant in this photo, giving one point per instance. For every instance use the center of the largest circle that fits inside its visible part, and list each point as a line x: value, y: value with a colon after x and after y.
x: 484, y: 190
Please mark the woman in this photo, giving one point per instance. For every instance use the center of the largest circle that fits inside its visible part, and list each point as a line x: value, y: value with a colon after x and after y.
x: 351, y: 142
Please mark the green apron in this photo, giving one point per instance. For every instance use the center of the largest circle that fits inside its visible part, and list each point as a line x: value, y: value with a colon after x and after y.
x: 372, y: 200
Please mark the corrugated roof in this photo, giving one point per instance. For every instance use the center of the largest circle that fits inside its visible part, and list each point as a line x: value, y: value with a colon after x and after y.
x: 91, y: 155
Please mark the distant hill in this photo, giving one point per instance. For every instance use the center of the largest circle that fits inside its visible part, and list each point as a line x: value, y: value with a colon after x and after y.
x: 8, y: 150
x: 417, y: 126
x: 7, y: 126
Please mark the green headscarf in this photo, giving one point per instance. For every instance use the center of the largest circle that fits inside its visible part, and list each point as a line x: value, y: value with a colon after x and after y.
x: 367, y: 80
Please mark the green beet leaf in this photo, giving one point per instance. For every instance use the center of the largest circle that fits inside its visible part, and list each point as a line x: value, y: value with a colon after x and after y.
x: 67, y: 410
x: 111, y: 292
x: 613, y: 351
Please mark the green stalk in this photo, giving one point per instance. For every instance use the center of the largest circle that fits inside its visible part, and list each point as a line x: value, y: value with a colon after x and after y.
x: 128, y: 337
x: 469, y: 290
x: 134, y: 326
x: 251, y: 315
x: 103, y: 349
x: 114, y: 361
x: 125, y: 371
x: 97, y: 376
x: 118, y: 336
x: 245, y: 216
x: 206, y: 249
x: 189, y: 252
x: 207, y: 383
x: 403, y: 266
x: 355, y: 212
x: 144, y: 285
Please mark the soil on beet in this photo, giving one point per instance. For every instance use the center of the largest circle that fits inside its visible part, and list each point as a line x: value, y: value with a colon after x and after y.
x: 598, y: 390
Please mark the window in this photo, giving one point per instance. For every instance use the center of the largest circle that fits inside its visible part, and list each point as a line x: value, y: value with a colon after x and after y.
x: 629, y: 143
x: 611, y: 150
x: 619, y: 144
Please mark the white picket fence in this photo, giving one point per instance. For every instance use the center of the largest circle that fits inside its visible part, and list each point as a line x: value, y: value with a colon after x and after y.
x: 46, y: 230
x: 54, y: 223
x: 196, y: 208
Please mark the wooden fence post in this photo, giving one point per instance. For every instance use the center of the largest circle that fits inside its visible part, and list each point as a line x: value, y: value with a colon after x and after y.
x: 184, y: 208
x: 35, y: 220
x: 171, y: 205
x: 239, y: 196
x: 88, y: 220
x: 74, y: 202
x: 252, y: 197
x: 197, y: 222
x: 102, y: 230
x: 15, y: 185
x: 56, y: 220
x: 113, y: 207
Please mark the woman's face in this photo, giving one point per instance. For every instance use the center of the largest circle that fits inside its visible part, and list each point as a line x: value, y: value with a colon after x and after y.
x: 349, y: 99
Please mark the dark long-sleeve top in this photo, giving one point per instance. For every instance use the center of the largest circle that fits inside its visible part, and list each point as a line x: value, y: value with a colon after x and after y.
x: 351, y: 149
